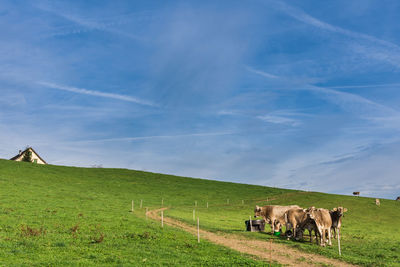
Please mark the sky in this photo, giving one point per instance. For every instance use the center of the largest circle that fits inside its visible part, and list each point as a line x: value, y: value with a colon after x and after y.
x: 293, y: 94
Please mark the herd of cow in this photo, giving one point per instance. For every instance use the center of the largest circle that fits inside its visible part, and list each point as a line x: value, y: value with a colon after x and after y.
x: 322, y: 221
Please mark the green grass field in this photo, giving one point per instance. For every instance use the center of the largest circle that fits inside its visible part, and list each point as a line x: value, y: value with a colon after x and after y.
x: 53, y: 215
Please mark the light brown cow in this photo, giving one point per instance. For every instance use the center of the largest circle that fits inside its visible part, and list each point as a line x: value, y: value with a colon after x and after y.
x: 377, y: 202
x: 297, y: 220
x: 273, y: 214
x: 323, y: 221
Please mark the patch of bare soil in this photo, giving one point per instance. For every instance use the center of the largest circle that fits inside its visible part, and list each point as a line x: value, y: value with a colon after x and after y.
x: 266, y: 250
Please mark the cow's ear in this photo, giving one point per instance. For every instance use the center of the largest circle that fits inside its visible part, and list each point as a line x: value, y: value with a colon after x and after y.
x: 345, y: 209
x: 334, y: 209
x: 257, y: 207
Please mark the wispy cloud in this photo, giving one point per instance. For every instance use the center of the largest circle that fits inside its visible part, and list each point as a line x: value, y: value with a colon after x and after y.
x: 138, y: 138
x: 344, y: 99
x: 359, y: 166
x: 302, y: 16
x: 97, y: 93
x: 287, y: 117
x: 106, y: 24
x: 364, y: 86
x: 369, y: 46
x: 262, y: 73
x: 279, y: 120
x: 228, y: 112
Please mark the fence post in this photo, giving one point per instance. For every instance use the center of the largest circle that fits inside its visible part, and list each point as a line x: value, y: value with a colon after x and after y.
x: 133, y: 205
x: 194, y: 214
x: 338, y: 240
x: 270, y: 251
x: 141, y: 202
x: 162, y: 218
x: 146, y: 212
x: 198, y: 230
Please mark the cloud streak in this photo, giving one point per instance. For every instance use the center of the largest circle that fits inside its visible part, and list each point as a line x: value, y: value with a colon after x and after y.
x: 343, y: 99
x: 364, y: 86
x: 302, y: 16
x: 279, y: 120
x: 381, y: 50
x: 138, y: 138
x: 107, y: 25
x: 97, y: 93
x: 262, y: 73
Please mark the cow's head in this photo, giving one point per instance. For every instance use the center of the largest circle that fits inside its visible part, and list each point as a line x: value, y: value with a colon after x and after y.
x: 340, y: 211
x: 257, y: 211
x: 310, y: 212
x: 278, y: 225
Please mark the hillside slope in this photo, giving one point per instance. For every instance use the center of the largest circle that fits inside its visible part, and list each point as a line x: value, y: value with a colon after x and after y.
x: 66, y: 215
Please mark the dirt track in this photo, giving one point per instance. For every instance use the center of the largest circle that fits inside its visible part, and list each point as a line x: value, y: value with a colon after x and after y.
x: 261, y: 249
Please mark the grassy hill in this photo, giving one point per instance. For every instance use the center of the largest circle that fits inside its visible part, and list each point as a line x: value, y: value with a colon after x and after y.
x: 64, y: 215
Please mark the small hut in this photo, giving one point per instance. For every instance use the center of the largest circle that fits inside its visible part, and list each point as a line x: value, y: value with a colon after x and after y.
x: 29, y: 154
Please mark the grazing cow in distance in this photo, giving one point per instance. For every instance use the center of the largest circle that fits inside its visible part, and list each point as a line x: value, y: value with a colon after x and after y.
x: 336, y: 216
x: 297, y: 219
x: 273, y: 214
x: 398, y: 199
x: 323, y: 220
x: 377, y: 202
x: 356, y: 193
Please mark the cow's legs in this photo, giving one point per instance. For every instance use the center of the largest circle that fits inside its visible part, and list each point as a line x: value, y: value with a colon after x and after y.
x: 322, y: 234
x: 316, y: 236
x: 329, y: 237
x: 294, y: 231
x: 288, y: 227
x: 334, y: 232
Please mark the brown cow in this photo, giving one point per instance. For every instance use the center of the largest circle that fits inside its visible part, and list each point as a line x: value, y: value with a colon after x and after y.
x: 398, y: 199
x: 273, y: 214
x: 309, y: 225
x: 323, y: 221
x: 336, y: 216
x: 356, y: 193
x: 298, y: 220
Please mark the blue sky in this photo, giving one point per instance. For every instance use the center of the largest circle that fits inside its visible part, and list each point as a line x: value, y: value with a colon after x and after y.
x: 293, y: 94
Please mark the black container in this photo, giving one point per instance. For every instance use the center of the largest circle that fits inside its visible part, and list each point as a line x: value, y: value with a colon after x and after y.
x: 257, y: 225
